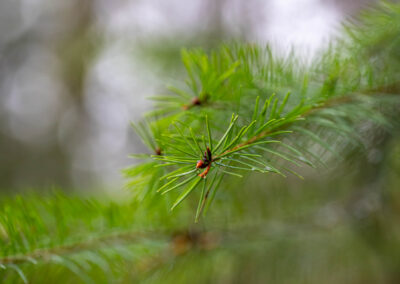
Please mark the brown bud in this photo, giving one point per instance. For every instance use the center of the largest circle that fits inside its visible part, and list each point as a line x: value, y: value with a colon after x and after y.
x: 196, y: 101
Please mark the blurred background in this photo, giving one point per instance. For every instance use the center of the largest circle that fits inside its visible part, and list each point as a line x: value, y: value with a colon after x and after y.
x: 74, y: 73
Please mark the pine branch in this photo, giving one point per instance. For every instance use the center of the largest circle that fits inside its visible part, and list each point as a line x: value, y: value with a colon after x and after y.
x: 92, y: 244
x: 279, y: 101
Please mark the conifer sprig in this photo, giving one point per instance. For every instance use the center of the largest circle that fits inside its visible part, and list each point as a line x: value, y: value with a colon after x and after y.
x: 259, y: 146
x: 287, y: 114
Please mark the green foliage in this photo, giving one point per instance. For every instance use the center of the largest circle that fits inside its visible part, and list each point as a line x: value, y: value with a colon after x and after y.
x: 57, y: 236
x: 286, y: 114
x: 243, y: 119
